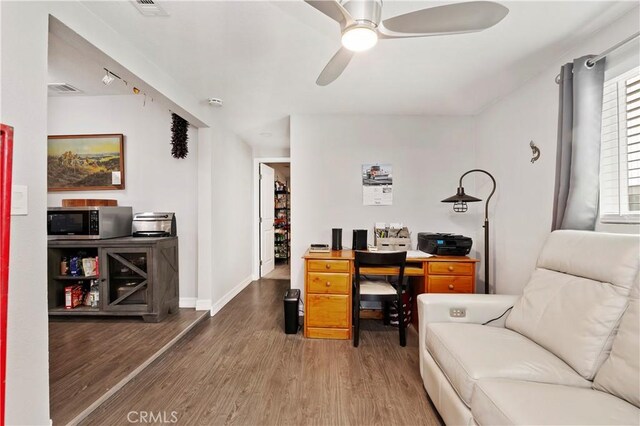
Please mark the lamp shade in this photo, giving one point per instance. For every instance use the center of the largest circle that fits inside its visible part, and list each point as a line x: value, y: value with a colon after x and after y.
x: 461, y: 197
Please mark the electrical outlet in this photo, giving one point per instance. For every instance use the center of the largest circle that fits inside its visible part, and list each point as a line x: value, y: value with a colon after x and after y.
x: 458, y: 312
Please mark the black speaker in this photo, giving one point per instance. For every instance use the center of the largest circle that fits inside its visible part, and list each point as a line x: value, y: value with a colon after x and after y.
x: 359, y: 239
x: 336, y: 239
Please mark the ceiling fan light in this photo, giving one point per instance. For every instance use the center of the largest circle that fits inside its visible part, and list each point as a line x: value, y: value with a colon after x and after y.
x: 358, y: 39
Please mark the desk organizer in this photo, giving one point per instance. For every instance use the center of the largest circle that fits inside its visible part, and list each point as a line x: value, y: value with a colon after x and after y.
x: 395, y: 244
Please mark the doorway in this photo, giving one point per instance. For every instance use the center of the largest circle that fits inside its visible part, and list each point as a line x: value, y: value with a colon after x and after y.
x: 274, y: 219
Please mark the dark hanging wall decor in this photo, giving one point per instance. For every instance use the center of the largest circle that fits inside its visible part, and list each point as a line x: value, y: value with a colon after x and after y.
x: 179, y: 126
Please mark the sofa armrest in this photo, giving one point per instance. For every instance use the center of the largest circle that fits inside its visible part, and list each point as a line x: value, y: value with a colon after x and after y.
x: 479, y: 308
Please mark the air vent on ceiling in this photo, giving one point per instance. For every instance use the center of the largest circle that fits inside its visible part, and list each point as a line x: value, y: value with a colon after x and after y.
x: 62, y: 88
x: 149, y: 8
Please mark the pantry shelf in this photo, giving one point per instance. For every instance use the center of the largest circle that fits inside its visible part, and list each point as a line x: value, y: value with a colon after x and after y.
x: 75, y: 278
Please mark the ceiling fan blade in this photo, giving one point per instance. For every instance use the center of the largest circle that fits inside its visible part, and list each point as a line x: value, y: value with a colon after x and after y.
x: 449, y: 19
x: 334, y: 68
x: 333, y: 9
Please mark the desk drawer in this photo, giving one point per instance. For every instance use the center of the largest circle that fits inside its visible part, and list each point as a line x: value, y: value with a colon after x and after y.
x: 321, y: 265
x: 319, y: 282
x: 327, y: 310
x: 450, y: 284
x: 328, y: 333
x: 452, y: 268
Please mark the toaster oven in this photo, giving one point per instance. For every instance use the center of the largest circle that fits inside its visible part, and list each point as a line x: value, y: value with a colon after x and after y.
x: 154, y: 224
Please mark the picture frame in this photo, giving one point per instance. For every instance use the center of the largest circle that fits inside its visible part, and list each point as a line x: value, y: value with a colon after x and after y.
x: 85, y: 162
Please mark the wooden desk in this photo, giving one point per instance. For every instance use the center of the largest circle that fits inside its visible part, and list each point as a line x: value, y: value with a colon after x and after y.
x: 328, y: 278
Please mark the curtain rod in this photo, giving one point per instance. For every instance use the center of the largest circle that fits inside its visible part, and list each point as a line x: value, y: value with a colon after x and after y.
x: 591, y: 62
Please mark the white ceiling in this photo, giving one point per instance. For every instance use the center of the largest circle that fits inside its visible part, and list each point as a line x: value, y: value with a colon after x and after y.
x: 263, y: 57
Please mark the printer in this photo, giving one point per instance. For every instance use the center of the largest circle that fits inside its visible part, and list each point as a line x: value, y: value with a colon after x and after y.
x: 444, y: 244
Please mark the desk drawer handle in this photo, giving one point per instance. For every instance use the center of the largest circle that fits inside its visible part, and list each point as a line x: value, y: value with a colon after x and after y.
x: 450, y: 268
x: 450, y: 286
x: 327, y: 266
x: 328, y: 284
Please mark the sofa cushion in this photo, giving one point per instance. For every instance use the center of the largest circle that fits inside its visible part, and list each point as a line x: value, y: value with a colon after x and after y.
x: 512, y: 402
x: 468, y: 352
x: 599, y: 256
x: 620, y: 373
x: 573, y: 317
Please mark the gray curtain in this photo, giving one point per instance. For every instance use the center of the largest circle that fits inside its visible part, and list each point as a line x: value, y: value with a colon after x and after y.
x: 578, y: 158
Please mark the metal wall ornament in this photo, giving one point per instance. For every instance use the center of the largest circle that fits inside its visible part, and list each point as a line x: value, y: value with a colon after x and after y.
x: 535, y: 152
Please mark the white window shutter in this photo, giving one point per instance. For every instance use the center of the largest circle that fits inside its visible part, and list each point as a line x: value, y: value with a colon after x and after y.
x: 609, y: 152
x: 620, y: 149
x: 632, y: 98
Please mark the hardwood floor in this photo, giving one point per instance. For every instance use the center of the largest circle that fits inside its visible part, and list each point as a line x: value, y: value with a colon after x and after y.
x: 91, y: 357
x: 240, y: 368
x: 282, y: 271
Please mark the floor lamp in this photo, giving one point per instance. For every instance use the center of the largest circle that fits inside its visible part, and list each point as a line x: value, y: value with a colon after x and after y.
x: 460, y: 201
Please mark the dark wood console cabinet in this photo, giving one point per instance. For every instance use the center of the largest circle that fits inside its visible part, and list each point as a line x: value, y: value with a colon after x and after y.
x: 137, y: 277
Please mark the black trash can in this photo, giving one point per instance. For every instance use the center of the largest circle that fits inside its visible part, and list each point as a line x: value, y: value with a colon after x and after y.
x: 291, y: 299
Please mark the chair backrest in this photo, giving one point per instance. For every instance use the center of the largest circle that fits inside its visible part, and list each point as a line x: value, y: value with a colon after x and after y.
x: 598, y: 256
x: 380, y: 259
x: 577, y: 294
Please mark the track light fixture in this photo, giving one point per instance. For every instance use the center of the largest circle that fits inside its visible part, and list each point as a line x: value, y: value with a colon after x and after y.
x: 108, y: 78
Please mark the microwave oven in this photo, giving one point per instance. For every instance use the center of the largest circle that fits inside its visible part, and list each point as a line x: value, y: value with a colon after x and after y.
x: 88, y: 223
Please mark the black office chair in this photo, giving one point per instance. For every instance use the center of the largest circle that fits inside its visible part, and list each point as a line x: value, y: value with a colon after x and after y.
x: 378, y: 291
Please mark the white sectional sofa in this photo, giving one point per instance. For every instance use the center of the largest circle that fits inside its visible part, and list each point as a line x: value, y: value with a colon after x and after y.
x: 568, y: 352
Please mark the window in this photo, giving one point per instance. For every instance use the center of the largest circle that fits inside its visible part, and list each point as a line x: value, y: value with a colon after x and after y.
x: 620, y: 150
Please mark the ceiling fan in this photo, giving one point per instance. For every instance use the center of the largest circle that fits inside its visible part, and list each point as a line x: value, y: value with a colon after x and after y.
x: 361, y: 26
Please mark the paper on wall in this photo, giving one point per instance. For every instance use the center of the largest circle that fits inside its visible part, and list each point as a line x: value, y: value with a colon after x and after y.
x: 115, y: 178
x: 377, y: 184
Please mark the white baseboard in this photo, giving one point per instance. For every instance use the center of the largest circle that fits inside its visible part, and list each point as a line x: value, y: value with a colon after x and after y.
x: 230, y: 295
x: 187, y: 302
x: 203, y: 305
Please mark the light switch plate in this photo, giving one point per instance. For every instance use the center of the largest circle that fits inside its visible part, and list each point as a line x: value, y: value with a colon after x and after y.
x: 19, y: 200
x: 457, y: 312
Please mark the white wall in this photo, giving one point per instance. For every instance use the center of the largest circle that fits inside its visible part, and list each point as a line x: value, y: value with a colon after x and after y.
x: 428, y: 156
x: 225, y: 221
x: 270, y: 152
x: 23, y: 82
x: 24, y: 103
x: 205, y: 225
x: 154, y: 180
x: 521, y: 217
x: 231, y: 218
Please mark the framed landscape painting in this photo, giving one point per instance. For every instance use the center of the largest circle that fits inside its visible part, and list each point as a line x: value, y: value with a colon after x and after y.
x: 85, y: 162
